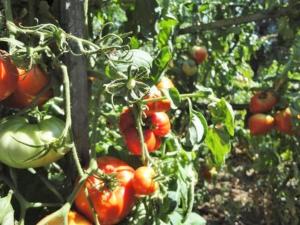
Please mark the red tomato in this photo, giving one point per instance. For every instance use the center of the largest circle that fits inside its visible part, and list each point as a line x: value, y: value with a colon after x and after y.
x: 8, y: 77
x: 260, y: 123
x: 283, y: 121
x: 155, y: 92
x: 126, y: 120
x: 143, y: 181
x: 262, y: 101
x: 133, y: 142
x: 28, y: 86
x: 160, y: 124
x: 199, y: 54
x: 111, y: 206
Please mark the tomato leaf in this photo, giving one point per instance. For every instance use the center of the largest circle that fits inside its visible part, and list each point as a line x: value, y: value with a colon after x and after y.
x: 7, y: 211
x: 160, y: 63
x: 195, y: 219
x: 173, y: 95
x: 222, y: 112
x: 137, y: 58
x: 197, y: 129
x: 218, y: 141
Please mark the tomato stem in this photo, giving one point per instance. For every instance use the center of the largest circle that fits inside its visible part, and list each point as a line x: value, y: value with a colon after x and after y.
x: 138, y: 121
x: 9, y: 18
x: 68, y: 125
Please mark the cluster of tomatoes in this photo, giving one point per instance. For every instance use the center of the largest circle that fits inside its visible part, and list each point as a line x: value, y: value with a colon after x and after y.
x: 261, y: 123
x: 112, y: 203
x: 156, y: 121
x: 198, y: 55
x: 18, y: 88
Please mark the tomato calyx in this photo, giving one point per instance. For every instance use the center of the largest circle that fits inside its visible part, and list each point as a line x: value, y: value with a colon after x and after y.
x: 108, y: 181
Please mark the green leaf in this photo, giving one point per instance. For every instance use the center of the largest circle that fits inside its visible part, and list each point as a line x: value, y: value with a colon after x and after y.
x: 294, y: 76
x: 134, y: 42
x: 7, y: 211
x: 197, y: 129
x: 222, y: 112
x: 218, y: 142
x: 165, y: 29
x: 175, y: 218
x: 160, y: 63
x: 173, y: 95
x: 195, y: 219
x: 137, y: 58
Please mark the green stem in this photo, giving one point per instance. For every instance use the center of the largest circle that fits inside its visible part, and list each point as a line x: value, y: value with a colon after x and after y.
x: 138, y: 121
x: 67, y: 129
x: 9, y: 18
x: 182, y: 96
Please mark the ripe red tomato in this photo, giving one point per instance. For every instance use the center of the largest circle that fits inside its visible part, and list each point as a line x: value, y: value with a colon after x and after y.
x: 114, y: 205
x: 126, y: 120
x: 260, y: 124
x: 28, y: 86
x: 155, y: 92
x: 262, y: 101
x: 143, y: 181
x: 199, y: 54
x: 283, y: 121
x: 160, y: 124
x: 133, y: 142
x: 8, y: 77
x: 189, y: 67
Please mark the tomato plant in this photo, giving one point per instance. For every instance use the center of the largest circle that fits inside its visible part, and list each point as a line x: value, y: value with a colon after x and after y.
x: 30, y: 84
x: 28, y: 143
x: 111, y: 204
x: 8, y: 77
x: 143, y: 181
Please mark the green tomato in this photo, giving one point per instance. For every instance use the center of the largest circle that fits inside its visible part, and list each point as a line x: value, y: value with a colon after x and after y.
x: 189, y: 67
x: 24, y: 144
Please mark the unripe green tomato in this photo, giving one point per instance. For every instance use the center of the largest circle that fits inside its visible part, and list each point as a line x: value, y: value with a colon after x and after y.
x: 189, y: 67
x: 23, y: 144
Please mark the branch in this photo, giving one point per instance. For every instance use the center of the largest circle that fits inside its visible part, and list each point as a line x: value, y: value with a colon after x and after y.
x: 262, y: 15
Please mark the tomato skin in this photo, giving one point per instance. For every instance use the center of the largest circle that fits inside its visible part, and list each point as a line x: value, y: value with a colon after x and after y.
x: 111, y: 206
x: 8, y: 77
x: 155, y: 92
x: 160, y: 123
x: 189, y: 67
x: 29, y: 84
x: 262, y: 101
x: 143, y: 181
x: 260, y: 124
x: 74, y: 218
x: 283, y: 121
x: 133, y: 142
x: 199, y: 54
x: 126, y: 120
x: 21, y: 141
